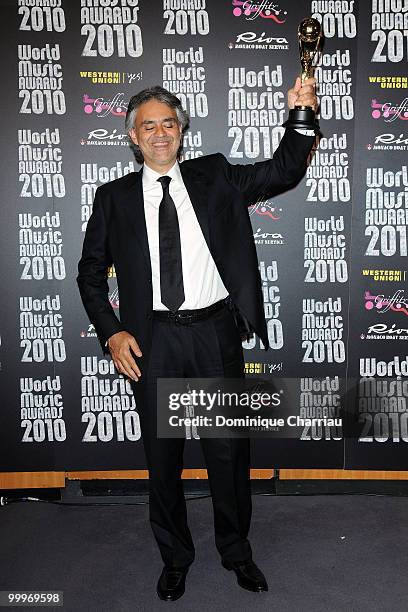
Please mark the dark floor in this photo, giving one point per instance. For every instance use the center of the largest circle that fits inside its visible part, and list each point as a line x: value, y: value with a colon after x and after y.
x: 319, y: 553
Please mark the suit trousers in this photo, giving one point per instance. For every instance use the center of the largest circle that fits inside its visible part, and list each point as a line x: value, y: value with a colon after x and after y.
x: 206, y: 348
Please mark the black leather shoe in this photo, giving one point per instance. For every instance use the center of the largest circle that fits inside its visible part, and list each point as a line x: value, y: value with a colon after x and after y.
x: 248, y: 574
x: 171, y: 583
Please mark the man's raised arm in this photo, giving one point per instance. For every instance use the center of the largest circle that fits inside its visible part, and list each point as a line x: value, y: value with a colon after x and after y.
x: 288, y: 164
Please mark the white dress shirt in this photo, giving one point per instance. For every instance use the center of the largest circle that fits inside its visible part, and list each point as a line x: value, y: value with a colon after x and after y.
x: 202, y: 282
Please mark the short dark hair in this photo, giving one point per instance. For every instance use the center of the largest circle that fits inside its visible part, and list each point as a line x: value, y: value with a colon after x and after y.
x: 153, y: 93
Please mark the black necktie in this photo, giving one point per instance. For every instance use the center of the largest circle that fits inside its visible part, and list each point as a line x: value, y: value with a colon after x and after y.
x: 171, y: 273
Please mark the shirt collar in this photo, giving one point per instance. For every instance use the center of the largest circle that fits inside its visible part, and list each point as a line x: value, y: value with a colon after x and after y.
x: 150, y: 177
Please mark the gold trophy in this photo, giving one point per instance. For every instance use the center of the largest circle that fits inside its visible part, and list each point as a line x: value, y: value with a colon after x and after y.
x: 309, y: 35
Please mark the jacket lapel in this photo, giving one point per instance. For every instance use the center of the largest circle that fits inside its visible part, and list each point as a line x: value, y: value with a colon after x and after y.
x: 197, y: 188
x: 134, y: 204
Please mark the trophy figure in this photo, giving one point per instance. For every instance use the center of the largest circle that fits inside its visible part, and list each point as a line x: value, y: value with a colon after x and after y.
x: 309, y: 35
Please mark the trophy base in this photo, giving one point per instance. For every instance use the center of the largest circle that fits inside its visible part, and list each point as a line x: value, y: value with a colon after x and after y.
x: 302, y: 118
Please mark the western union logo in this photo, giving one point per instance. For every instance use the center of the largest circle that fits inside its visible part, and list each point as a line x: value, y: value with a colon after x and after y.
x: 102, y: 77
x: 385, y: 275
x: 390, y: 82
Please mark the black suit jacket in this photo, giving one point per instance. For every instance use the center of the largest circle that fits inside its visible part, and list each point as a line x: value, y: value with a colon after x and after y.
x: 220, y: 193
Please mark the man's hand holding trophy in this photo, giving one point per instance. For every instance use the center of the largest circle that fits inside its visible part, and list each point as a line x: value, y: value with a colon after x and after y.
x: 309, y: 37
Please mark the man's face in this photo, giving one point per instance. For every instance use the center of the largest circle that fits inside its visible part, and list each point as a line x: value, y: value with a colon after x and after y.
x: 157, y: 132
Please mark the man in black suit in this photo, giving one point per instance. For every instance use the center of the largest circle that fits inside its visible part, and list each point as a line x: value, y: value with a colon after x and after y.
x: 181, y: 241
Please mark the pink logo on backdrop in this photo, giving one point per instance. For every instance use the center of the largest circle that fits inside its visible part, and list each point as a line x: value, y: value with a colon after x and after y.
x: 102, y: 107
x: 265, y: 209
x: 396, y: 302
x: 388, y: 111
x: 265, y: 9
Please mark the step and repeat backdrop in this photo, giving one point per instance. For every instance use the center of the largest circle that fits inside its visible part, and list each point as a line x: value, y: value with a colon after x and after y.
x: 332, y: 251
